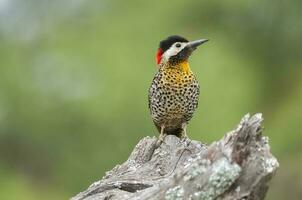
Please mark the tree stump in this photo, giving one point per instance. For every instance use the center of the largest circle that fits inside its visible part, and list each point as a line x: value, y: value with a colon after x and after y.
x: 238, y: 166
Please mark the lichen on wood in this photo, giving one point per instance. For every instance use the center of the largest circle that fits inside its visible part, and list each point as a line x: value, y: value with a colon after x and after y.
x: 238, y: 166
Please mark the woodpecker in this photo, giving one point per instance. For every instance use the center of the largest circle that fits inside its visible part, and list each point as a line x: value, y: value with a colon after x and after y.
x: 174, y: 92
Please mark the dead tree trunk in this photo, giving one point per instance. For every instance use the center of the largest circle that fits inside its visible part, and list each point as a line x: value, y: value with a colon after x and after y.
x: 238, y: 166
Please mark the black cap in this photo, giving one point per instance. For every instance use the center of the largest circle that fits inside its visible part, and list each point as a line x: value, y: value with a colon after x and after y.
x: 167, y: 43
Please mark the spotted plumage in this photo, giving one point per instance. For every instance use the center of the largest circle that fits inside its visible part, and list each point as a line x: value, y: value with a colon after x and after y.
x: 173, y: 98
x: 174, y: 92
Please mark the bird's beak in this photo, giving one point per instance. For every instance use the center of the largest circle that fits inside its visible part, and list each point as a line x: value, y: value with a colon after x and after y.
x: 194, y: 44
x: 189, y: 48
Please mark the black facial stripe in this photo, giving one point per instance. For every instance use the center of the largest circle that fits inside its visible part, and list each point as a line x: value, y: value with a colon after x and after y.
x: 180, y: 56
x: 167, y: 43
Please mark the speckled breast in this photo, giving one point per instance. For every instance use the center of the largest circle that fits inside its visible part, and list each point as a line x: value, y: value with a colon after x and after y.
x: 173, y: 96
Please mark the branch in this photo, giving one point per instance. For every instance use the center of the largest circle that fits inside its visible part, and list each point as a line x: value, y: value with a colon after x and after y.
x: 238, y: 166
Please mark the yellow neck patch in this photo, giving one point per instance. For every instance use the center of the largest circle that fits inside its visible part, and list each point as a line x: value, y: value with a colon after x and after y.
x: 182, y: 67
x: 185, y: 67
x: 178, y: 75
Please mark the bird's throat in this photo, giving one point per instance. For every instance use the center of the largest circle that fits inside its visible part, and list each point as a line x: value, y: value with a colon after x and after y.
x: 178, y: 75
x: 183, y: 67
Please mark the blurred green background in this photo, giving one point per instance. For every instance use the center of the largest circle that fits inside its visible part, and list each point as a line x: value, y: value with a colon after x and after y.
x: 74, y: 77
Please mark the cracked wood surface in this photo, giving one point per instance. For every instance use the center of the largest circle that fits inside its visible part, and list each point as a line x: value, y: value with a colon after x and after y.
x: 238, y: 166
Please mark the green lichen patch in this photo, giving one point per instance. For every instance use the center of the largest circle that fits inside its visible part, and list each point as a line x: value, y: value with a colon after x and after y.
x: 175, y: 193
x: 270, y: 165
x: 223, y: 176
x: 196, y: 169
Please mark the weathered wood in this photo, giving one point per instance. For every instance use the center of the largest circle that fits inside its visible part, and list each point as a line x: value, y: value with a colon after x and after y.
x: 238, y: 166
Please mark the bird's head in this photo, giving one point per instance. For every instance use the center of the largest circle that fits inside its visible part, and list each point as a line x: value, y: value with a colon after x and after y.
x: 176, y: 49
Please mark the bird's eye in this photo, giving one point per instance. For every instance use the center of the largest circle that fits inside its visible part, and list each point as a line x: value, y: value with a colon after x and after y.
x: 178, y: 45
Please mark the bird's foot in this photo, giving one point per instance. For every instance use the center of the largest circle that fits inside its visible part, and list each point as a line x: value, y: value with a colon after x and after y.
x: 160, y: 140
x: 183, y: 138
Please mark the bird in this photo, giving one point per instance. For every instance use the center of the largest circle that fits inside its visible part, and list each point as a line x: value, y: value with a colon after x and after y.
x: 174, y: 92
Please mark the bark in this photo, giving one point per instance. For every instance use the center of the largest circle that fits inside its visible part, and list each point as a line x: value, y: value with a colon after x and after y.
x: 238, y: 166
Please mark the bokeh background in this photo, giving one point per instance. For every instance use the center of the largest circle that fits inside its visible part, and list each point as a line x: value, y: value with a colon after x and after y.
x: 74, y: 77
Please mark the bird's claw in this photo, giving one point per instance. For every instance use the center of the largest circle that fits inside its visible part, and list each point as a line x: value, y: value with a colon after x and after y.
x: 184, y: 138
x: 160, y: 140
